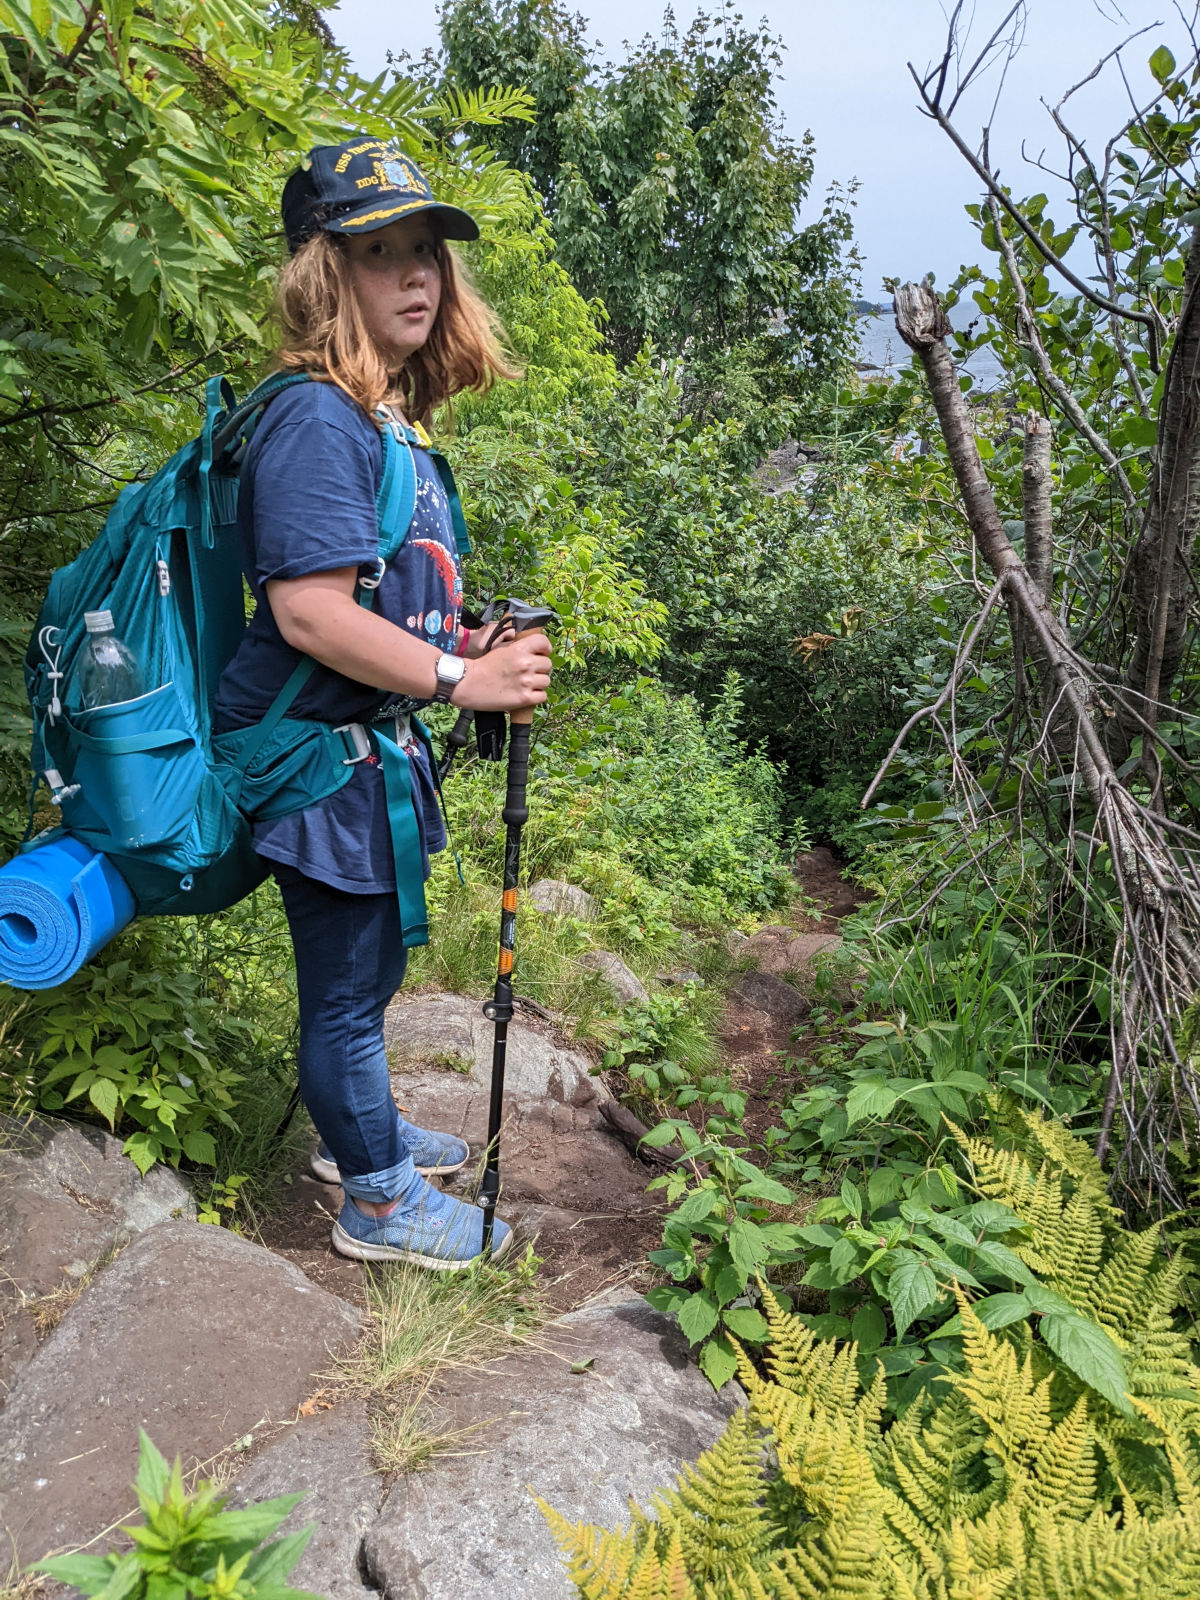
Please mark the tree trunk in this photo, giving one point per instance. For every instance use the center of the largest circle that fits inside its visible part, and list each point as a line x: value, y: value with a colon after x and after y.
x: 1161, y: 559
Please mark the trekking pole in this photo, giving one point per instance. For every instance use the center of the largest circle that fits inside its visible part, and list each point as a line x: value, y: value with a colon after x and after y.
x: 518, y: 618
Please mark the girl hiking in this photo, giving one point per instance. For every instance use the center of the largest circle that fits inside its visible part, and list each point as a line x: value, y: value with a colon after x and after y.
x: 374, y: 308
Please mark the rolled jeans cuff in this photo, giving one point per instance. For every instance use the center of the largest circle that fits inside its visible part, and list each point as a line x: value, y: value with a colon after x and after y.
x: 380, y: 1187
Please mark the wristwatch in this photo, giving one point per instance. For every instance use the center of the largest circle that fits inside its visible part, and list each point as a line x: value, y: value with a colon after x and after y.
x: 450, y: 669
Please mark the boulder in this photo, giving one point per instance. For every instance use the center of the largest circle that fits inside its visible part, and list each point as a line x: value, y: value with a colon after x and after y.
x: 678, y: 979
x: 68, y: 1199
x: 192, y: 1333
x: 552, y: 1134
x: 735, y: 941
x: 557, y: 899
x: 780, y: 950
x: 451, y: 1034
x: 327, y: 1458
x: 625, y: 986
x: 584, y: 1440
x: 770, y: 994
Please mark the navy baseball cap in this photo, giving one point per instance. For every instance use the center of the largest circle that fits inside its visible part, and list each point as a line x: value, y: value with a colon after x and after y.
x: 359, y: 186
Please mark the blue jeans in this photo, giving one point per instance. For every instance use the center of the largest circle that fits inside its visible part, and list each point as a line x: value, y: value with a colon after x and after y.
x: 349, y: 964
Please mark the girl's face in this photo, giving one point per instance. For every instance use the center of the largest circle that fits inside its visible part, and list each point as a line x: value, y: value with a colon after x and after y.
x: 397, y: 281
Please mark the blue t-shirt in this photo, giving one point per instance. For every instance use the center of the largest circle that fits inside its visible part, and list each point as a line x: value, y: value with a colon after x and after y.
x: 306, y: 504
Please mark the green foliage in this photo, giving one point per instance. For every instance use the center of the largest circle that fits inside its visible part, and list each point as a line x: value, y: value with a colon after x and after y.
x: 188, y: 1547
x: 673, y: 192
x: 987, y: 1488
x: 142, y: 1039
x: 720, y: 1234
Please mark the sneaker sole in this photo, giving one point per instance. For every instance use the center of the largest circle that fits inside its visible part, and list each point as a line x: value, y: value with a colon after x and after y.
x: 327, y: 1171
x: 359, y: 1250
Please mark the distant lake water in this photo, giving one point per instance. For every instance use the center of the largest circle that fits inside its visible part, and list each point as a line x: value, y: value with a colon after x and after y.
x: 882, y: 346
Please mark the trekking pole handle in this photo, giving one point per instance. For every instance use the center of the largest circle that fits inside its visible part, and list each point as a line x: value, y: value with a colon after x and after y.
x: 522, y: 619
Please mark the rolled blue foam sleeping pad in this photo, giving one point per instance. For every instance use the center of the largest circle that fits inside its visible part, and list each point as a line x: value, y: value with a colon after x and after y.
x: 59, y: 903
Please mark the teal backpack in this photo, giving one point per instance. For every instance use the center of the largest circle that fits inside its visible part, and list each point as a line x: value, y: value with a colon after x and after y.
x: 168, y: 566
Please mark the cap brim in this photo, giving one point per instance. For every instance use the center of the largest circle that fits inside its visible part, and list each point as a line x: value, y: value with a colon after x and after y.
x: 453, y: 222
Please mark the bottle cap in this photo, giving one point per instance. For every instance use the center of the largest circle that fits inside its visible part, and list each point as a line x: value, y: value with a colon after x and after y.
x: 98, y: 621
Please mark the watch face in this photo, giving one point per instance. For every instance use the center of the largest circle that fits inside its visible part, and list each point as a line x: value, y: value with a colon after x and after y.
x: 450, y: 668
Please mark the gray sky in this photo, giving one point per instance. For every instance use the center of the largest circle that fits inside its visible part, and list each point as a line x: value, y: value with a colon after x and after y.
x: 844, y: 76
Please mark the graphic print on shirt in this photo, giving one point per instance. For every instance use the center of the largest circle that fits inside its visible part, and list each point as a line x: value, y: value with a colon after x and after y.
x: 435, y: 620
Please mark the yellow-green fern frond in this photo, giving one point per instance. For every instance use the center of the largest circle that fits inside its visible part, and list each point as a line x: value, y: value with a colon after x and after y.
x: 716, y: 1504
x: 1068, y: 1153
x: 1003, y: 1175
x: 1072, y: 1241
x: 1062, y: 1477
x: 938, y: 1465
x: 804, y: 1364
x: 1117, y: 1299
x: 843, y: 1558
x: 1002, y: 1393
x: 599, y: 1563
x: 963, y: 1578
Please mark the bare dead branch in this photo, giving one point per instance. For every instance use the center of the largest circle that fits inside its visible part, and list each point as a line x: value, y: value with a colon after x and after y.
x: 993, y: 186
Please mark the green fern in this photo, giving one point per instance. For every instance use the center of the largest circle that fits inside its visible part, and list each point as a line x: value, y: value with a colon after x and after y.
x: 1009, y: 1481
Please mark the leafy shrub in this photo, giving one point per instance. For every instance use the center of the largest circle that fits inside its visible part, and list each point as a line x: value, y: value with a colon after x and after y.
x: 720, y: 1235
x: 147, y: 1037
x: 189, y: 1547
x: 986, y: 1488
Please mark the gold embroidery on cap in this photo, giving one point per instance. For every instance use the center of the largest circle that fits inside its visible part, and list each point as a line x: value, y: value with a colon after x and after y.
x: 347, y: 156
x: 378, y: 216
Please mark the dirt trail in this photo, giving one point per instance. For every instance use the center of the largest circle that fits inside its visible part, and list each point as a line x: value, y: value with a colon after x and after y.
x: 757, y: 1046
x: 593, y: 1218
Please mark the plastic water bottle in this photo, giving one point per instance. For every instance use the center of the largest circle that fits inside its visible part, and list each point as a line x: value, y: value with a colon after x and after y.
x: 107, y: 672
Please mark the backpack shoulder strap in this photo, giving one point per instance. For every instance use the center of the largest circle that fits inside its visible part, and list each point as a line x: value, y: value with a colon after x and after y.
x: 457, y: 521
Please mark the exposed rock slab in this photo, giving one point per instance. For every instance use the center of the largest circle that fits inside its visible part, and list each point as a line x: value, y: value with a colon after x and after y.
x: 625, y: 986
x: 68, y: 1198
x: 326, y: 1458
x: 193, y: 1334
x: 468, y: 1529
x: 770, y: 994
x: 554, y: 898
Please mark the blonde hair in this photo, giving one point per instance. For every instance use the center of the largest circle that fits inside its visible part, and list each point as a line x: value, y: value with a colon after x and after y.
x: 322, y: 332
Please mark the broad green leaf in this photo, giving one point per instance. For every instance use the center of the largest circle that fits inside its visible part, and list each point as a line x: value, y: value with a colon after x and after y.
x: 994, y: 1311
x: 1091, y: 1355
x: 747, y: 1245
x: 105, y: 1096
x: 718, y: 1362
x: 747, y: 1324
x: 912, y: 1289
x: 870, y: 1099
x: 199, y: 1147
x: 995, y: 1257
x: 1162, y: 64
x: 868, y: 1327
x: 852, y: 1199
x: 697, y: 1317
x: 761, y: 1187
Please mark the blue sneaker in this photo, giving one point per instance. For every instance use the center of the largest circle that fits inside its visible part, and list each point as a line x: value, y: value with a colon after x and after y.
x: 428, y: 1228
x: 433, y: 1154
